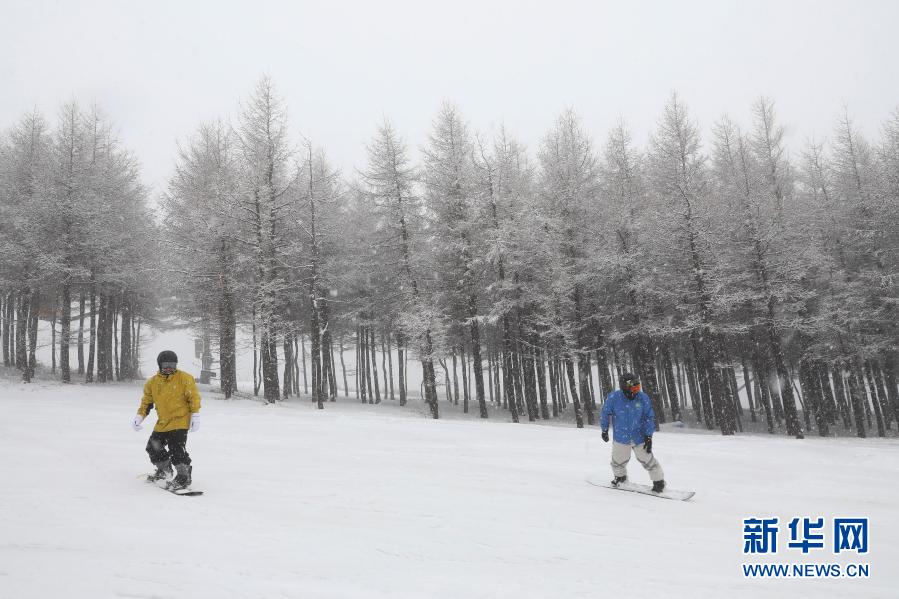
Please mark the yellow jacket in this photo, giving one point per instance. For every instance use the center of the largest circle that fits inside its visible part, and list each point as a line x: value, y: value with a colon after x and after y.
x: 175, y: 396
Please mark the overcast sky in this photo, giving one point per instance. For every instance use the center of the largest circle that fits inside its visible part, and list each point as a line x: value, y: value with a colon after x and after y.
x: 160, y: 68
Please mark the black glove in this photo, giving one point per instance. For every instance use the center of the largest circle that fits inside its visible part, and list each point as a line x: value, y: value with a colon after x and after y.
x: 647, y: 444
x: 605, y: 436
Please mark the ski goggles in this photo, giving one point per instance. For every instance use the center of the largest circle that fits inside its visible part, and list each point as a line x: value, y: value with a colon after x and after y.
x: 632, y: 385
x: 168, y: 367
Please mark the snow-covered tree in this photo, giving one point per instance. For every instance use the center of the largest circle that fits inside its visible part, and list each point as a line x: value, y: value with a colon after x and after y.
x: 390, y: 187
x: 265, y: 155
x: 569, y: 192
x: 457, y: 217
x: 206, y: 240
x: 678, y: 174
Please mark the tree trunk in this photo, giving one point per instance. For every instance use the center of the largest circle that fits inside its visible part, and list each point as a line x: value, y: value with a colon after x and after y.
x: 490, y: 377
x: 111, y: 320
x: 296, y: 364
x: 602, y: 365
x: 255, y: 358
x: 710, y: 402
x: 454, y: 398
x: 269, y: 344
x: 65, y: 313
x: 102, y: 354
x: 693, y: 384
x: 366, y: 366
x: 882, y: 391
x: 583, y: 368
x: 530, y: 383
x: 92, y: 347
x: 305, y: 371
x: 465, y: 396
x: 497, y: 386
x: 388, y: 351
x: 384, y: 383
x: 569, y: 369
x: 372, y: 366
x: 727, y: 393
x: 747, y: 386
x: 541, y: 381
x: 357, y: 371
x: 830, y: 405
x: 446, y: 381
x: 670, y: 382
x: 786, y: 384
x: 811, y: 386
x: 329, y: 382
x: 346, y: 389
x: 288, y: 366
x: 126, y: 360
x: 516, y: 379
x: 737, y: 413
x: 681, y: 387
x: 840, y: 395
x: 645, y: 364
x: 875, y: 399
x: 508, y: 387
x: 400, y: 367
x: 7, y: 315
x: 855, y: 398
x: 116, y: 359
x: 315, y: 350
x: 34, y: 310
x: 360, y: 364
x: 889, y: 375
x: 762, y: 389
x: 553, y: 386
x: 22, y: 332
x: 227, y: 341
x: 135, y: 340
x: 55, y: 308
x: 478, y: 367
x: 430, y: 377
x: 81, y: 300
x: 112, y: 324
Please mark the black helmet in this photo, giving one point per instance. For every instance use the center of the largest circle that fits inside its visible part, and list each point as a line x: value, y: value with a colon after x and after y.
x: 628, y: 380
x: 630, y: 384
x: 167, y: 356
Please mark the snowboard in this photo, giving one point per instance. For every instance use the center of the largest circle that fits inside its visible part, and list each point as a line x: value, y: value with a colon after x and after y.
x: 644, y: 489
x: 167, y: 486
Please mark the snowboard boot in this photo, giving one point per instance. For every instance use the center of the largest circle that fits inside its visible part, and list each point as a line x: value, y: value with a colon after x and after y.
x: 163, y: 472
x: 182, y: 479
x: 618, y: 480
x: 658, y: 486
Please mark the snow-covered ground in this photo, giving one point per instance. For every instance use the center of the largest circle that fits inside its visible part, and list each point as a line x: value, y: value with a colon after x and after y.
x: 379, y: 501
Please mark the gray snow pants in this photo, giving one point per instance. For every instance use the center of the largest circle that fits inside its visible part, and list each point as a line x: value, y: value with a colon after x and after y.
x: 621, y: 455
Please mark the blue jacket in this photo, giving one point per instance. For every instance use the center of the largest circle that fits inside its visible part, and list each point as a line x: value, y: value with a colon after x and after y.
x: 633, y: 418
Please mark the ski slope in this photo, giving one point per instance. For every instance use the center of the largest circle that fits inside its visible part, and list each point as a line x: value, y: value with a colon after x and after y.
x: 363, y: 501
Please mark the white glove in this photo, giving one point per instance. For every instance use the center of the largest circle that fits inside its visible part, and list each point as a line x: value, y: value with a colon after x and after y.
x: 194, y: 422
x: 135, y: 422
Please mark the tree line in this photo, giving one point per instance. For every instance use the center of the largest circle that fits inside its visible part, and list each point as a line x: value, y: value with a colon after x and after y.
x: 742, y: 284
x: 75, y: 237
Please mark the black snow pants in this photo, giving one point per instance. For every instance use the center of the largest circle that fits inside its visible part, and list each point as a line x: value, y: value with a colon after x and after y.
x: 170, y: 445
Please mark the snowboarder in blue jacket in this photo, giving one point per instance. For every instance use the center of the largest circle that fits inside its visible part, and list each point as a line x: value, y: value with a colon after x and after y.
x: 633, y: 420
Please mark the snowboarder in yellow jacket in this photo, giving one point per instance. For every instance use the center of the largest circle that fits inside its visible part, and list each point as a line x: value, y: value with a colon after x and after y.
x: 174, y: 394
